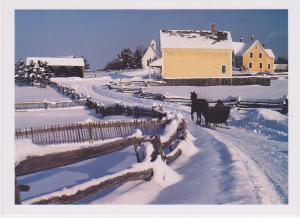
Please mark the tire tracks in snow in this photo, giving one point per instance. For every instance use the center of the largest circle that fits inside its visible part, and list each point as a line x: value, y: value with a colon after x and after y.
x: 263, y: 185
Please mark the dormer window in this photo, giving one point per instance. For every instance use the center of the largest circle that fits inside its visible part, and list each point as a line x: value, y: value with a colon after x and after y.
x: 260, y: 55
x: 251, y: 55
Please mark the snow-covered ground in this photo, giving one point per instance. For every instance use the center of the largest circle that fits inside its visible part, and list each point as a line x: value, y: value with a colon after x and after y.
x: 59, y: 116
x: 278, y: 89
x: 35, y: 94
x: 246, y: 164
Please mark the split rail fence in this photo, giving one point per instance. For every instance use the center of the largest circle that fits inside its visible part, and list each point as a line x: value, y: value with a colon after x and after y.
x: 32, y: 164
x: 48, y: 105
x: 280, y: 105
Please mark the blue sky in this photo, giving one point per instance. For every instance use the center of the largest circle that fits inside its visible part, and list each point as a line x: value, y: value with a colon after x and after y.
x: 99, y: 35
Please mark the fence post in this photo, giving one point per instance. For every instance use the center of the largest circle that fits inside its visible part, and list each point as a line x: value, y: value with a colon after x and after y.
x: 90, y: 133
x: 157, y: 146
x: 138, y: 152
x: 285, y: 106
x: 237, y: 104
x: 17, y: 193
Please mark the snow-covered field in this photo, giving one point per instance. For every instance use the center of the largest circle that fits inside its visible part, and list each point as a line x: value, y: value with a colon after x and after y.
x: 246, y: 164
x: 278, y: 89
x: 35, y: 94
x: 59, y: 116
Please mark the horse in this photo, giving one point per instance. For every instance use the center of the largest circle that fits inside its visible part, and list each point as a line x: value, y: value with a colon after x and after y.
x: 198, y: 106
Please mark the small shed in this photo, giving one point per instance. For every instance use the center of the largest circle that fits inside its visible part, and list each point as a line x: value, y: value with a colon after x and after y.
x: 62, y: 66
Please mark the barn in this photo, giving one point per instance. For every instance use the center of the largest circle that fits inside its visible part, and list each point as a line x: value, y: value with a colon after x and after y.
x: 62, y: 66
x: 190, y: 54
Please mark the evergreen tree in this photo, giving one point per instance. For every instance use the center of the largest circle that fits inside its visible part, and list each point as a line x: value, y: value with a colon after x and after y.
x: 138, y: 55
x: 32, y: 72
x: 86, y: 63
x: 20, y: 70
x: 126, y: 59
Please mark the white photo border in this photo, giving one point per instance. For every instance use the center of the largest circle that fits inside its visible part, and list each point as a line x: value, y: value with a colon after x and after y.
x: 7, y: 125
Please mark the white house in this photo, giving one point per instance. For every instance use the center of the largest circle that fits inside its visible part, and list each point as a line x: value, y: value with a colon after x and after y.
x: 61, y: 66
x: 150, y: 55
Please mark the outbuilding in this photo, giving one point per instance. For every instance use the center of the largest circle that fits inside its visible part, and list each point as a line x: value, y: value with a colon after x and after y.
x: 62, y: 66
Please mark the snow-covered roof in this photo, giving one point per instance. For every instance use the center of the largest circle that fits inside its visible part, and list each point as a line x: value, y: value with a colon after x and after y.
x: 156, y: 63
x: 195, y: 39
x: 54, y: 61
x: 270, y: 53
x: 240, y: 48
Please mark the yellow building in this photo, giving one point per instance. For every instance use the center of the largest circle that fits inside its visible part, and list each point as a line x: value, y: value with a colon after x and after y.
x: 253, y: 57
x: 188, y: 54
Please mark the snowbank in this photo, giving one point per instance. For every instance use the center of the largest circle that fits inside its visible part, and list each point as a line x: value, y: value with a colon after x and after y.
x: 171, y: 128
x: 163, y: 175
x: 263, y: 121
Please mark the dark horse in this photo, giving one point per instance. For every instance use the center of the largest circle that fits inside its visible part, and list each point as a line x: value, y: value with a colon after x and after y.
x: 199, y: 106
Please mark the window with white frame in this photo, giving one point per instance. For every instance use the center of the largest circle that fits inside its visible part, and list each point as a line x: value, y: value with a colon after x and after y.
x: 260, y: 55
x: 251, y: 54
x: 260, y: 65
x: 250, y: 65
x: 269, y: 66
x: 223, y: 68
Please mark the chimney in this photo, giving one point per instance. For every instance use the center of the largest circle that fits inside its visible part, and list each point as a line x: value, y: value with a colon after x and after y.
x: 252, y: 38
x: 241, y: 39
x: 263, y: 45
x: 213, y: 28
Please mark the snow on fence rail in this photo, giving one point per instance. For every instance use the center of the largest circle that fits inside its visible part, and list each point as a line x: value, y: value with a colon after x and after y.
x: 148, y: 165
x: 91, y: 131
x: 121, y: 109
x: 234, y: 81
x: 48, y: 105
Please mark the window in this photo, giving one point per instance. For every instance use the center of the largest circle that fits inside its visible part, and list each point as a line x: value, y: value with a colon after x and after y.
x: 260, y: 65
x: 148, y: 62
x: 269, y: 66
x: 250, y: 65
x: 223, y: 68
x: 260, y: 55
x: 251, y: 55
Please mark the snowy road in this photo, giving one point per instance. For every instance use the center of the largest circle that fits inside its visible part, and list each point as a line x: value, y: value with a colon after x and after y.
x: 246, y: 164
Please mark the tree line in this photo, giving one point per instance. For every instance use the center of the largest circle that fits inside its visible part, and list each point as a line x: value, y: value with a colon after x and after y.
x: 32, y: 72
x: 127, y: 59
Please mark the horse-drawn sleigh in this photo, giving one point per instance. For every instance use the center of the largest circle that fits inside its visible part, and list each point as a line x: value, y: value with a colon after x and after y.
x: 215, y: 116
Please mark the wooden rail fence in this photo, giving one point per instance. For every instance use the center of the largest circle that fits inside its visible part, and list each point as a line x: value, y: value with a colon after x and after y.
x: 48, y: 105
x: 88, y: 132
x: 33, y: 164
x: 234, y: 81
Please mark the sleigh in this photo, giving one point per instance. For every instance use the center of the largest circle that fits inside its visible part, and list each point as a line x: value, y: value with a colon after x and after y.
x: 217, y: 116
